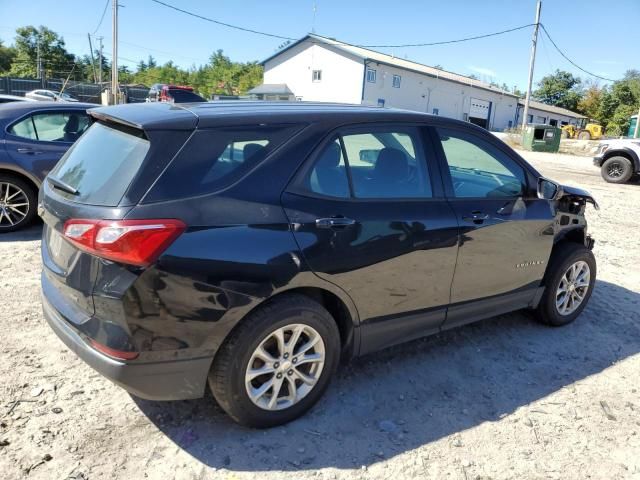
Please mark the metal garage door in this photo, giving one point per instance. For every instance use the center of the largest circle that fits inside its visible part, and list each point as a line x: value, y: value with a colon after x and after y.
x: 479, y: 112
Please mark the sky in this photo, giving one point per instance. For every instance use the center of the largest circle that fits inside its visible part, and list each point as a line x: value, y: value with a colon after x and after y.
x: 600, y: 36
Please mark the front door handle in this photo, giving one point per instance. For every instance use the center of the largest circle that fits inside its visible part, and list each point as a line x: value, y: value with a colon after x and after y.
x: 334, y: 222
x: 476, y: 217
x: 29, y: 151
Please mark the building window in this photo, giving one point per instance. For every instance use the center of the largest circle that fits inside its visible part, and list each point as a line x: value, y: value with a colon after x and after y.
x: 436, y: 111
x: 396, y: 81
x: 381, y: 102
x: 317, y: 75
x: 553, y: 122
x: 530, y: 119
x: 371, y: 75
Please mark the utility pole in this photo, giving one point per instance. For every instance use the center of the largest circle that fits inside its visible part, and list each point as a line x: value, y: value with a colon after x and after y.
x: 114, y: 58
x: 38, y: 61
x: 93, y: 61
x: 313, y: 25
x: 532, y: 61
x: 100, y: 61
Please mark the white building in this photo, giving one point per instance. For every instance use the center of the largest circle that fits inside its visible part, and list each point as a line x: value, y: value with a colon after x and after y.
x: 548, y: 114
x: 321, y: 69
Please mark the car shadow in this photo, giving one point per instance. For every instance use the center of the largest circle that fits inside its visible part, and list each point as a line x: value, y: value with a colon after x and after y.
x: 394, y: 401
x: 29, y: 234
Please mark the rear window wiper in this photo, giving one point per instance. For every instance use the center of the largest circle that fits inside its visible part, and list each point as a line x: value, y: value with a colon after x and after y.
x: 59, y: 184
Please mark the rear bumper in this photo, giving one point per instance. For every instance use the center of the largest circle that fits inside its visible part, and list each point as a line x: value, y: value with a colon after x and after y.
x: 168, y: 380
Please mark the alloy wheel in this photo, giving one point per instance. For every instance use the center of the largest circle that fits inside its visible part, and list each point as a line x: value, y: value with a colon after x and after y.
x: 615, y: 170
x: 285, y: 367
x: 14, y: 205
x: 573, y: 288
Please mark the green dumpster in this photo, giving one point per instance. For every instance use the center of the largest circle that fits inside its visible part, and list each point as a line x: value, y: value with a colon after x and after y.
x: 541, y: 138
x: 632, y: 126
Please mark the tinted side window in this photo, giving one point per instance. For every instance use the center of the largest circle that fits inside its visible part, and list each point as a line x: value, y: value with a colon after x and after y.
x: 478, y: 169
x: 381, y: 164
x: 387, y: 164
x: 52, y: 127
x: 24, y: 129
x: 329, y: 175
x: 60, y: 126
x: 214, y: 158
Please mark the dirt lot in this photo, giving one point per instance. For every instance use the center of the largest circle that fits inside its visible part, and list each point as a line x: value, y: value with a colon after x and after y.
x: 505, y: 398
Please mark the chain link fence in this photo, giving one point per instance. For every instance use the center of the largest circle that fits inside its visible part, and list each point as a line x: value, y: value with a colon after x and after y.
x: 83, y: 91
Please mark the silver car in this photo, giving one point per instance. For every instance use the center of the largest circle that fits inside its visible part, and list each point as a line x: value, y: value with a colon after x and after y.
x: 49, y: 96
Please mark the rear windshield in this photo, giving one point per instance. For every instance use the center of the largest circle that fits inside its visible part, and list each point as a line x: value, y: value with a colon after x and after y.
x: 184, y: 96
x: 214, y: 158
x: 102, y: 164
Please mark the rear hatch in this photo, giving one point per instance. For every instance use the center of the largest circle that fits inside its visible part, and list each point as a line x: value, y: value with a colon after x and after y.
x: 97, y: 182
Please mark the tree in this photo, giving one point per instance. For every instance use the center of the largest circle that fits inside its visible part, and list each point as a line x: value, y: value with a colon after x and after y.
x: 589, y: 104
x: 56, y: 61
x: 516, y: 91
x: 7, y: 54
x: 561, y: 89
x: 619, y: 102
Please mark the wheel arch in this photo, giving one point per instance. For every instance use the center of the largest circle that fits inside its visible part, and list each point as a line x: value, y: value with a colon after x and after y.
x: 21, y: 174
x: 626, y: 153
x: 576, y: 235
x: 341, y: 309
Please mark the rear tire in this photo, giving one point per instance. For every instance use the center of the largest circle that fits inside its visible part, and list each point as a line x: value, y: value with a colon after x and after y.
x: 18, y: 200
x: 567, y: 259
x: 617, y: 170
x: 267, y: 334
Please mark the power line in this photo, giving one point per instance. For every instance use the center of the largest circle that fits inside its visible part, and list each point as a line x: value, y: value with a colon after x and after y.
x: 446, y: 42
x: 102, y: 17
x: 236, y: 27
x: 571, y: 61
x: 282, y: 37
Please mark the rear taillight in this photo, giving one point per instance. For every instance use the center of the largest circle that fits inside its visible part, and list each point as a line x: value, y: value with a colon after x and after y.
x: 111, y: 352
x: 134, y: 242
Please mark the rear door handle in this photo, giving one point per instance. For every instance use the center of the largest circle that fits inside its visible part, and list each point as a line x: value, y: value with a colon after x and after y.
x: 334, y: 222
x: 29, y: 151
x: 476, y: 217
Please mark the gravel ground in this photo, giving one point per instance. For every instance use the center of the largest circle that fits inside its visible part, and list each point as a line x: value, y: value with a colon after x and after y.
x: 504, y: 398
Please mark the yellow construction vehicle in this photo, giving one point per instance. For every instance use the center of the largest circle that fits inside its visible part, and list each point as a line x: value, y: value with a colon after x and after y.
x: 583, y: 131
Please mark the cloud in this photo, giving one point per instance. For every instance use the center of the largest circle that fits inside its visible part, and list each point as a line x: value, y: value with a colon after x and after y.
x: 483, y: 71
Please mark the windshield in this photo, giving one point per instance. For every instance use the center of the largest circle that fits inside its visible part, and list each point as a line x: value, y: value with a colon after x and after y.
x: 184, y: 96
x: 101, y: 165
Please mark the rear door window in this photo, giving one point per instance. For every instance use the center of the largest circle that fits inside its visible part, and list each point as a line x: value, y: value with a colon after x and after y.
x: 380, y: 164
x: 102, y: 164
x: 52, y: 126
x: 214, y: 158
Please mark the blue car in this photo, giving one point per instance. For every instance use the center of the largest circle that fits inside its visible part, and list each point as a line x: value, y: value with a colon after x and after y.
x: 33, y: 137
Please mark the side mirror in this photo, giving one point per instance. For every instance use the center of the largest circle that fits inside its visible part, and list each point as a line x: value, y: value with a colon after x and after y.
x: 548, y: 190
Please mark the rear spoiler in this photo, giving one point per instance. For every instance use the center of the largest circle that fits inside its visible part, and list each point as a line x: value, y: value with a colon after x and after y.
x: 103, y: 117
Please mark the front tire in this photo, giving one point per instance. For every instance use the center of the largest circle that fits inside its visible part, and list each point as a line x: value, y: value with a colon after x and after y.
x: 569, y: 282
x: 277, y: 364
x: 617, y: 170
x: 18, y: 201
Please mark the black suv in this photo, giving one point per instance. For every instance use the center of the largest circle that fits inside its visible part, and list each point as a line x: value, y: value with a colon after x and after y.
x: 254, y: 245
